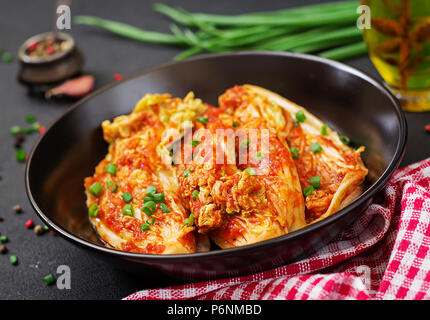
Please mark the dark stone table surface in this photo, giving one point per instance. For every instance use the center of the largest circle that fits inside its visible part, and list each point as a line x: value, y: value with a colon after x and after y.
x: 105, y: 54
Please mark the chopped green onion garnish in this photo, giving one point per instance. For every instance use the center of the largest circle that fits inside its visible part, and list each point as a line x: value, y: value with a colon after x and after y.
x: 308, y: 191
x: 49, y: 279
x: 235, y: 124
x: 150, y: 221
x: 294, y: 152
x: 28, y: 130
x: 244, y: 144
x: 35, y: 126
x: 30, y: 118
x: 145, y: 227
x: 345, y: 140
x: 7, y: 57
x: 258, y: 156
x: 15, y: 130
x: 164, y: 208
x: 300, y: 117
x: 316, y: 147
x: 251, y: 171
x: 127, y: 197
x: 147, y: 199
x: 95, y: 189
x: 94, y: 210
x: 158, y: 197
x: 189, y: 221
x: 111, y: 169
x: 13, y: 260
x: 202, y: 120
x: 112, y: 186
x: 4, y: 239
x: 128, y: 210
x: 149, y: 208
x: 20, y: 155
x: 187, y: 173
x: 324, y: 130
x: 315, y: 182
x: 195, y: 143
x: 195, y: 194
x: 151, y: 190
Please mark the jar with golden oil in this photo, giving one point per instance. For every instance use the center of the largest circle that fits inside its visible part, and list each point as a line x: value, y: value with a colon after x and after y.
x: 399, y: 46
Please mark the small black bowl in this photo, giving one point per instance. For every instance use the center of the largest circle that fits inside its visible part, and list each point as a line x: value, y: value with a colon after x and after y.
x: 346, y: 99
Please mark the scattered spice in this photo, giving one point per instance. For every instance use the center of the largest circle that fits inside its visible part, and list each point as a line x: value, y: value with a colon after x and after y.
x: 38, y: 230
x: 17, y: 208
x: 18, y: 140
x: 3, y: 249
x: 1, y: 219
x: 29, y: 224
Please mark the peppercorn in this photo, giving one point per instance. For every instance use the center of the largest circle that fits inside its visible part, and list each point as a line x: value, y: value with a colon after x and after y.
x: 17, y: 144
x: 29, y: 224
x: 17, y: 208
x: 3, y: 249
x: 38, y: 230
x: 20, y: 137
x: 1, y: 219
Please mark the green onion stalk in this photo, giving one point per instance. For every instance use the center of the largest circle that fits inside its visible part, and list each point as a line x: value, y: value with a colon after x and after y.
x: 326, y: 29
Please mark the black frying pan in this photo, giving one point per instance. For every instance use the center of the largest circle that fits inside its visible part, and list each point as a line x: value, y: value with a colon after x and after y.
x: 346, y: 99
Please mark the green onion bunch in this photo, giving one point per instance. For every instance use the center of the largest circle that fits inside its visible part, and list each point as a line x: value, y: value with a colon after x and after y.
x: 326, y: 29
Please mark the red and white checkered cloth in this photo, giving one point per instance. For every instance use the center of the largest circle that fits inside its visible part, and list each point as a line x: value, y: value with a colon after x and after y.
x: 383, y: 255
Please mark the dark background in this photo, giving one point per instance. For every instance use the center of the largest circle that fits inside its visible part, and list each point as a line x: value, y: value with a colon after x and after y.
x: 106, y: 54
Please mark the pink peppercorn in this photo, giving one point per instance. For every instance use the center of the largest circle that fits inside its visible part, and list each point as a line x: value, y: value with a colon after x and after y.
x: 117, y: 76
x: 29, y: 224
